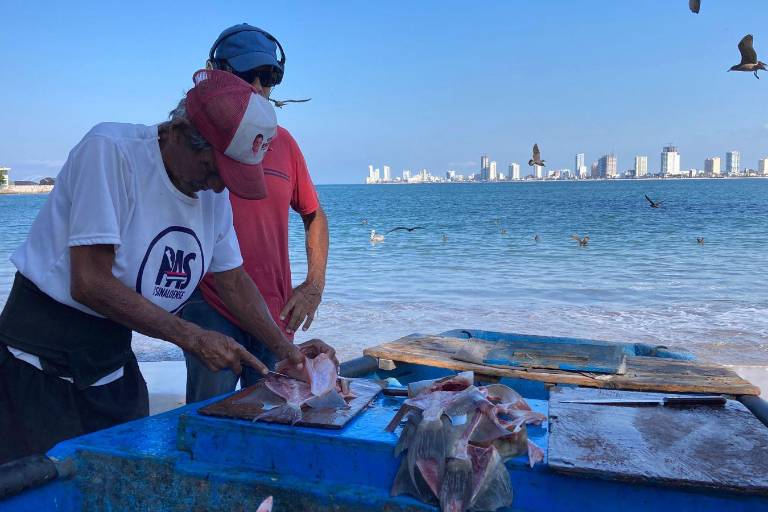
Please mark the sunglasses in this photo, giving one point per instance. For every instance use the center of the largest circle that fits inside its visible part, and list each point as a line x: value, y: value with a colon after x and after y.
x: 269, y: 76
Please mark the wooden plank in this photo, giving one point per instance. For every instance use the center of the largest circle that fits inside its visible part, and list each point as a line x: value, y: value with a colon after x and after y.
x: 536, y: 353
x: 642, y: 373
x: 723, y: 448
x: 248, y: 403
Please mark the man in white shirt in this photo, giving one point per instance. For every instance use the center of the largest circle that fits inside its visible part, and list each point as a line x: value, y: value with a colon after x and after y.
x: 136, y: 219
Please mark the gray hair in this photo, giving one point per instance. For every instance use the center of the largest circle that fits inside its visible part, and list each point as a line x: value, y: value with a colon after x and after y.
x: 179, y: 116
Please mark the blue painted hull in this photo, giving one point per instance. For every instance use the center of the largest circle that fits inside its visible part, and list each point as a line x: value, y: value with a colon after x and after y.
x: 181, y: 460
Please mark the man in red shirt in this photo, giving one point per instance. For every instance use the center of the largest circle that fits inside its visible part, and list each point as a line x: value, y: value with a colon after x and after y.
x: 262, y: 226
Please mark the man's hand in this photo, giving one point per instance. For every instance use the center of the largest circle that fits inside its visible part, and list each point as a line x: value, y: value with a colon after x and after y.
x: 302, y: 306
x: 218, y: 352
x: 313, y: 347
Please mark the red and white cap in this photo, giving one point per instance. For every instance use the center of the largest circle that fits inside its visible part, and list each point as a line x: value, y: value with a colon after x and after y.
x: 239, y: 124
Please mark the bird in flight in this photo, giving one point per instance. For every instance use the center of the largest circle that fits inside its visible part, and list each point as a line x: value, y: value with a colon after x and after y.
x: 282, y: 103
x: 401, y: 227
x: 582, y: 241
x: 700, y: 239
x: 376, y: 238
x: 749, y: 60
x: 654, y: 204
x: 536, y: 160
x: 694, y: 5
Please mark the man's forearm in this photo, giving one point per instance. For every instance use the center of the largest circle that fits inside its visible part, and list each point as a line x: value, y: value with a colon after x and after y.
x: 316, y: 234
x: 114, y: 300
x: 243, y: 299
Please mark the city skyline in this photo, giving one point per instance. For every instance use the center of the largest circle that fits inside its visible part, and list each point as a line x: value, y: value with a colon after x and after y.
x: 605, y: 167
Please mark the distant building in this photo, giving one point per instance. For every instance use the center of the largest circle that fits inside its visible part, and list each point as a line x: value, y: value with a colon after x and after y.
x: 670, y: 161
x: 5, y: 177
x: 492, y: 173
x: 406, y: 175
x: 514, y: 171
x: 373, y: 175
x: 762, y: 166
x: 538, y: 172
x: 641, y: 166
x: 484, y: 162
x: 712, y: 167
x: 450, y: 175
x: 732, y: 162
x: 48, y: 181
x: 594, y: 170
x: 578, y: 162
x: 387, y: 174
x: 424, y: 175
x: 607, y: 166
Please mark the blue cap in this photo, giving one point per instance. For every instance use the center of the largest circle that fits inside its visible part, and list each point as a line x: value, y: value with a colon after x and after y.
x: 246, y: 47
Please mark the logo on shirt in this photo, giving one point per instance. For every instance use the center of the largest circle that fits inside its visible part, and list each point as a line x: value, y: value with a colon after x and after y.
x: 172, y: 268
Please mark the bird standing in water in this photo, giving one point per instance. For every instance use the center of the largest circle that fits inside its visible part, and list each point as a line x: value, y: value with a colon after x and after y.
x: 376, y: 238
x: 536, y: 157
x: 749, y: 60
x: 700, y: 240
x: 694, y: 5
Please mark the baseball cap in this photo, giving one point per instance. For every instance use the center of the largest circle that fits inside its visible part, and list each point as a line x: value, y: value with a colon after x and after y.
x: 238, y: 123
x: 246, y: 47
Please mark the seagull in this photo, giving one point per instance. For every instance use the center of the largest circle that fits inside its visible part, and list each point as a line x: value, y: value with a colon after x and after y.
x: 376, y: 238
x: 282, y: 103
x: 700, y: 239
x: 582, y: 241
x: 536, y: 237
x: 694, y: 5
x: 536, y: 160
x: 749, y: 60
x: 655, y: 204
x: 401, y: 227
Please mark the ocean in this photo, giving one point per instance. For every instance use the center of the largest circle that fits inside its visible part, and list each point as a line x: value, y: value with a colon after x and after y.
x: 642, y: 278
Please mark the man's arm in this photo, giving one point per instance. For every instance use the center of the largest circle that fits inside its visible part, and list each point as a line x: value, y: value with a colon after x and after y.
x: 243, y: 299
x: 306, y: 297
x: 93, y: 285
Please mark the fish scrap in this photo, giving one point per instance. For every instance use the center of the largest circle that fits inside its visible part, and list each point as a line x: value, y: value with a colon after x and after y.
x: 316, y: 385
x: 456, y: 439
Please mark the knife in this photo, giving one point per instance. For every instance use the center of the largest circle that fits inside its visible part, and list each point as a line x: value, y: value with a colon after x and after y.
x: 667, y: 401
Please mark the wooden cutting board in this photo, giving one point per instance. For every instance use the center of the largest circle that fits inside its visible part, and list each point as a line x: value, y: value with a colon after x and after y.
x: 249, y: 403
x: 723, y: 448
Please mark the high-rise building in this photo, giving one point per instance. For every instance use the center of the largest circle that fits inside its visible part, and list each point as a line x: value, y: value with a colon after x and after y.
x: 732, y: 162
x: 5, y: 177
x: 406, y: 175
x: 387, y: 173
x: 641, y: 166
x: 514, y: 171
x: 607, y: 166
x: 580, y: 170
x: 594, y: 171
x: 484, y: 162
x: 538, y: 172
x: 670, y: 161
x: 450, y: 175
x: 424, y: 175
x: 712, y: 167
x: 762, y: 167
x: 492, y: 173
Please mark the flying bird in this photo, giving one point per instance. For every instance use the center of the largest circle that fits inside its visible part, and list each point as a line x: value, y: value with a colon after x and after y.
x: 536, y: 160
x: 700, y: 239
x: 694, y: 5
x: 376, y: 238
x: 749, y: 60
x: 401, y: 227
x: 582, y: 241
x: 282, y: 103
x: 654, y: 204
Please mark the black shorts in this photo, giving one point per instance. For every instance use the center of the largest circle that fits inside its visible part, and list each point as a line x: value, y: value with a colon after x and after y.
x: 38, y: 410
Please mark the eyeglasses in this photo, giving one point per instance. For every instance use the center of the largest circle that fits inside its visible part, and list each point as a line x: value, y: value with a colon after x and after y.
x: 269, y: 76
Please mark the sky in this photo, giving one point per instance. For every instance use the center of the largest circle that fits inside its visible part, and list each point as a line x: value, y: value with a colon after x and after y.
x: 429, y: 84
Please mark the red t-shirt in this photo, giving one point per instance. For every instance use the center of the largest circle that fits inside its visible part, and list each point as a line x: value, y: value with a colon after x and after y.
x: 262, y: 226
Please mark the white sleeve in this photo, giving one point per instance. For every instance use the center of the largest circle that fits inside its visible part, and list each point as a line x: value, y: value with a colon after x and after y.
x: 96, y: 185
x: 226, y: 250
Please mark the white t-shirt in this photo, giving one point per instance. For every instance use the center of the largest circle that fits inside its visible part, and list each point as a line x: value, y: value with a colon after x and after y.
x: 114, y: 190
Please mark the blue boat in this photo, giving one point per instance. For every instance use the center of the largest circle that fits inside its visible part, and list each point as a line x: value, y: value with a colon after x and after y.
x: 597, y: 458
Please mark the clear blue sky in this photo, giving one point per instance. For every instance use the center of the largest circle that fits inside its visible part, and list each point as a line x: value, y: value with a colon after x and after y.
x: 410, y: 84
